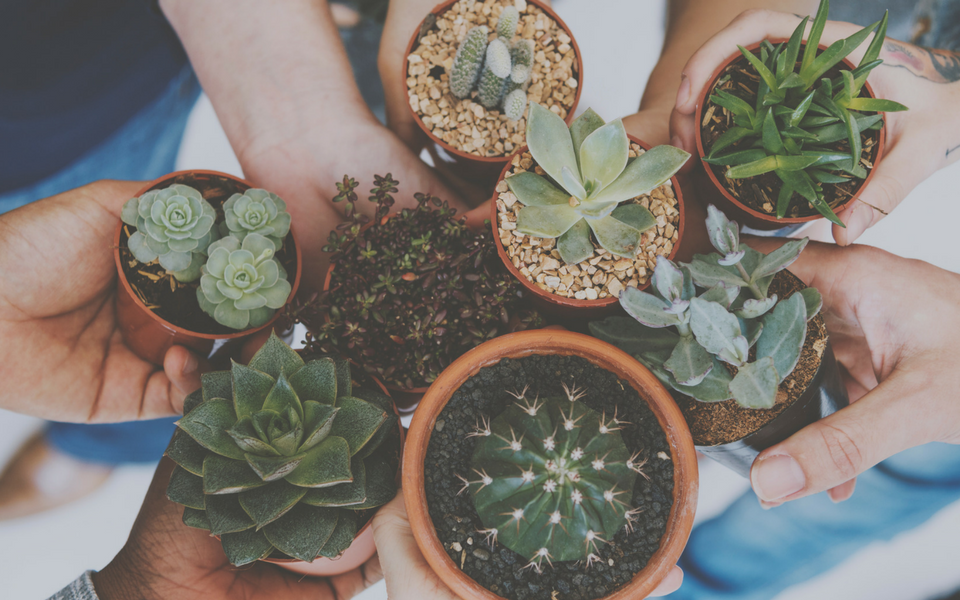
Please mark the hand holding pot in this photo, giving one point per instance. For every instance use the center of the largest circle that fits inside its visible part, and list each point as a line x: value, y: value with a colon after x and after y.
x: 63, y: 356
x: 164, y: 559
x: 919, y: 141
x: 895, y: 328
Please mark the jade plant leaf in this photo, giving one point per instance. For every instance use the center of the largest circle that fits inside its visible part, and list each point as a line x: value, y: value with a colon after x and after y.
x: 268, y: 503
x: 274, y: 355
x: 547, y: 221
x: 575, y: 245
x: 342, y: 536
x: 227, y: 476
x: 604, y: 153
x: 533, y: 190
x: 245, y: 547
x: 689, y: 363
x: 186, y: 488
x: 651, y: 169
x: 784, y: 331
x: 357, y: 421
x: 755, y: 385
x: 303, y: 531
x: 250, y: 388
x: 226, y: 515
x: 647, y: 308
x: 208, y: 424
x: 328, y: 463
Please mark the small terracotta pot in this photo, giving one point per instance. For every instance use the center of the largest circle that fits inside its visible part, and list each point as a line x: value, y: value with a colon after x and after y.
x: 599, y: 353
x: 571, y: 308
x: 711, y: 189
x: 148, y: 335
x: 470, y: 168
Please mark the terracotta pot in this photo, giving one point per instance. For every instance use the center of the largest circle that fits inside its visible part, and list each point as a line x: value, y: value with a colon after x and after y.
x: 571, y: 308
x: 147, y: 334
x: 470, y: 168
x: 599, y: 353
x: 711, y: 189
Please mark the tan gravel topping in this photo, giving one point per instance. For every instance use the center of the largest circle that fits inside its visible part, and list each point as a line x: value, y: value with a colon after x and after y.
x: 604, y: 274
x: 464, y: 124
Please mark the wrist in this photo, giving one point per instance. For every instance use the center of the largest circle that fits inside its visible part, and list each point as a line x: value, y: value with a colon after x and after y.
x: 119, y: 580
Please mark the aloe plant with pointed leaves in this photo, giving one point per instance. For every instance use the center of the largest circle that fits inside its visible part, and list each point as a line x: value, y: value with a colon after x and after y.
x: 716, y: 310
x: 797, y: 117
x: 589, y: 181
x: 551, y: 478
x: 279, y: 457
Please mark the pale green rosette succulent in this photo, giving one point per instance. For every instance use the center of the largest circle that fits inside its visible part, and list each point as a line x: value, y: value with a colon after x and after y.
x: 174, y: 225
x: 242, y: 283
x: 256, y: 211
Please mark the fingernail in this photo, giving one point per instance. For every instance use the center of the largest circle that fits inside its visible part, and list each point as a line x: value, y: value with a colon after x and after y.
x: 190, y: 365
x: 777, y: 476
x: 683, y: 94
x: 768, y: 505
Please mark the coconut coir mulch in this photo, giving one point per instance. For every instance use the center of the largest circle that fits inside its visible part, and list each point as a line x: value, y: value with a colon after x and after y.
x: 456, y: 521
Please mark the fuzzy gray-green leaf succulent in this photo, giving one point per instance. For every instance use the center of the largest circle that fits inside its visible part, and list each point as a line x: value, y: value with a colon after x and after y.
x: 242, y: 284
x: 256, y: 211
x: 687, y: 339
x: 590, y: 176
x: 174, y: 225
x: 278, y: 456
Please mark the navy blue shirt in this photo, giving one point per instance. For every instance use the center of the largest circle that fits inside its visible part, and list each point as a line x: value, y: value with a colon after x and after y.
x: 72, y: 72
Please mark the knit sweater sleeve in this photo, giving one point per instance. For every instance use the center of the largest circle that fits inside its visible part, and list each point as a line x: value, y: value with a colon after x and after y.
x: 79, y: 589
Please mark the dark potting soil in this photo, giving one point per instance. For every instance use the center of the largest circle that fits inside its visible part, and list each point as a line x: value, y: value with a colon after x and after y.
x: 456, y: 520
x: 760, y: 193
x: 715, y: 423
x: 175, y: 301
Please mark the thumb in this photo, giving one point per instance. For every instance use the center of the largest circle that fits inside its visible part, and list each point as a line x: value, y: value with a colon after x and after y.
x: 183, y: 368
x: 836, y: 449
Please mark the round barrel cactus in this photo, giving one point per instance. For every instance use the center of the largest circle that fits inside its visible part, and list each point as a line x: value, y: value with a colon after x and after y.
x: 278, y: 457
x: 552, y: 478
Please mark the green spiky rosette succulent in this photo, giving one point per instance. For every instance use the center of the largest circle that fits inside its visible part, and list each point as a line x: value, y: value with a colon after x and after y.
x: 281, y: 457
x: 552, y: 478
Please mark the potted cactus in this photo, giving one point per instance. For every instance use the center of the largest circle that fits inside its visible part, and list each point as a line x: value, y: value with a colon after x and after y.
x: 585, y: 211
x: 740, y: 342
x: 789, y: 134
x: 408, y: 293
x: 285, y: 459
x: 546, y: 464
x: 202, y: 256
x: 470, y: 70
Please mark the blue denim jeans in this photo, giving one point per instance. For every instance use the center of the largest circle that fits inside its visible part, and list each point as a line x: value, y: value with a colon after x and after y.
x: 144, y: 148
x: 747, y: 553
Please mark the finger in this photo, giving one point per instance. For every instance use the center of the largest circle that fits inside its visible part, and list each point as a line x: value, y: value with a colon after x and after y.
x: 183, y: 368
x: 842, y: 492
x: 651, y: 126
x: 834, y: 450
x: 670, y: 583
x: 683, y: 135
x: 476, y: 218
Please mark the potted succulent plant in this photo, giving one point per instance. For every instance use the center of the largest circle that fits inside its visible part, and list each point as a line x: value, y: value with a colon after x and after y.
x: 202, y: 256
x: 586, y: 211
x: 786, y: 133
x: 470, y: 69
x: 740, y: 341
x: 546, y: 464
x: 285, y: 459
x: 407, y: 294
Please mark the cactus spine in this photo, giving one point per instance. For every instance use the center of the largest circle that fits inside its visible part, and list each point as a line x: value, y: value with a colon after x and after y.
x: 468, y: 62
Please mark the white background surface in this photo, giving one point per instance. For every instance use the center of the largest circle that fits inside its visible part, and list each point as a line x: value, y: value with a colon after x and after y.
x: 41, y: 554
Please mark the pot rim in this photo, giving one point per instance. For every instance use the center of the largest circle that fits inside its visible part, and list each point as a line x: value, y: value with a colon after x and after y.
x: 601, y: 354
x: 176, y: 328
x: 561, y: 300
x: 443, y: 7
x: 726, y: 193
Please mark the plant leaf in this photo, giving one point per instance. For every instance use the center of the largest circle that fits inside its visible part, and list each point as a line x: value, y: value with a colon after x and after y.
x: 275, y: 355
x: 208, y: 424
x: 245, y: 547
x: 753, y: 307
x: 604, y: 153
x: 271, y: 468
x: 724, y: 233
x: 762, y: 70
x: 226, y: 515
x: 650, y: 170
x: 550, y: 143
x: 534, y: 190
x: 316, y: 381
x: 344, y: 494
x: 779, y: 259
x: 615, y: 236
x: 186, y: 452
x: 343, y: 534
x: 715, y: 387
x: 575, y: 244
x: 707, y: 272
x: 722, y: 294
x: 853, y: 136
x: 647, y: 308
x: 571, y: 182
x: 268, y: 503
x: 716, y: 329
x: 582, y: 127
x: 356, y: 422
x: 752, y: 169
x: 875, y: 105
x: 632, y: 337
x: 728, y: 138
x: 250, y: 389
x: 689, y: 362
x: 784, y: 331
x: 755, y: 385
x: 669, y: 280
x: 635, y: 216
x: 303, y: 531
x: 186, y: 488
x: 834, y: 54
x: 328, y: 463
x: 227, y: 476
x: 739, y: 157
x: 546, y: 221
x: 812, y: 300
x: 216, y: 384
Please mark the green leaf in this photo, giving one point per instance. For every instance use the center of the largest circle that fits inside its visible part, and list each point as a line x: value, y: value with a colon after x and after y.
x: 615, y: 236
x: 779, y: 259
x: 875, y: 105
x: 547, y: 221
x: 650, y: 170
x: 318, y: 422
x: 635, y: 216
x: 803, y: 184
x: 550, y: 143
x: 381, y: 475
x: 216, y: 384
x: 282, y: 396
x: 793, y: 49
x: 534, y: 190
x: 826, y: 176
x: 838, y: 131
x: 344, y: 378
x: 274, y: 355
x: 632, y: 337
x: 752, y: 169
x: 723, y: 233
x: 316, y: 381
x: 344, y: 494
x: 689, y: 362
x: 796, y: 117
x: 356, y: 422
x: 755, y: 307
x: 783, y: 333
x: 247, y: 438
x: 737, y: 158
x: 195, y: 518
x: 771, y: 136
x: 245, y: 547
x: 250, y: 389
x: 186, y: 488
x: 873, y: 50
x: 604, y: 153
x: 576, y: 245
x: 755, y: 385
x: 812, y: 300
x: 734, y: 104
x: 762, y: 70
x: 811, y: 121
x: 783, y: 200
x: 271, y: 468
x: 669, y: 281
x: 328, y: 463
x: 715, y: 387
x: 647, y: 308
x: 226, y: 515
x: 853, y: 136
x: 728, y: 138
x: 208, y: 424
x: 717, y: 331
x: 186, y: 452
x: 192, y: 400
x: 751, y: 330
x: 813, y: 40
x: 227, y: 476
x: 795, y: 163
x: 343, y: 534
x: 833, y: 55
x: 582, y: 127
x: 303, y: 531
x: 571, y: 182
x: 795, y: 133
x: 270, y: 502
x: 722, y: 294
x: 790, y: 82
x: 707, y: 272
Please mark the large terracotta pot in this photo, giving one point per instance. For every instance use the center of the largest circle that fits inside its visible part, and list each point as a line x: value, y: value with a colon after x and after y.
x: 712, y: 191
x: 571, y: 309
x: 470, y: 168
x: 601, y: 354
x: 145, y: 332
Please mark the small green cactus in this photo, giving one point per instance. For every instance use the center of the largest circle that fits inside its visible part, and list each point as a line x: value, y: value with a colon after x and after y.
x: 507, y: 24
x: 468, y: 62
x: 521, y: 56
x: 514, y: 104
x: 495, y: 71
x: 174, y: 225
x: 242, y: 284
x: 552, y: 478
x: 256, y: 211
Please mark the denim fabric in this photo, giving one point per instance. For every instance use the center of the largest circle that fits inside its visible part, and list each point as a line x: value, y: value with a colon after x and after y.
x: 145, y: 148
x: 747, y: 553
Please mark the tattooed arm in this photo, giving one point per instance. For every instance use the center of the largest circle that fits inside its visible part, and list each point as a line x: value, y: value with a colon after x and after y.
x: 938, y: 66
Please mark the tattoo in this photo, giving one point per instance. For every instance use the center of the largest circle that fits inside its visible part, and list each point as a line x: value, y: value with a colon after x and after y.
x: 938, y: 66
x: 952, y: 150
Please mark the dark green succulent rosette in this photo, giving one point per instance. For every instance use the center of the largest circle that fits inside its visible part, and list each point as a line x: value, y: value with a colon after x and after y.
x: 282, y: 458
